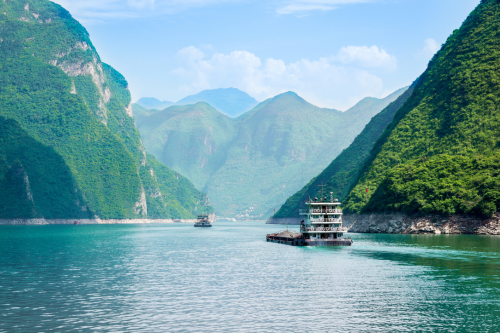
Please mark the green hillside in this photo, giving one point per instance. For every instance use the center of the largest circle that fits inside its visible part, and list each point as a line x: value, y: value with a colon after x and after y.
x: 440, y: 154
x: 69, y: 132
x: 251, y: 164
x: 192, y: 139
x: 339, y: 176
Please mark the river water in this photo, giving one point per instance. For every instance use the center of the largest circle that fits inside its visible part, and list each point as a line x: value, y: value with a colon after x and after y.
x: 173, y: 277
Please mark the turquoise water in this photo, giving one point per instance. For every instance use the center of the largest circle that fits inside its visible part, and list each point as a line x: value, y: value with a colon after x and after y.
x: 155, y: 278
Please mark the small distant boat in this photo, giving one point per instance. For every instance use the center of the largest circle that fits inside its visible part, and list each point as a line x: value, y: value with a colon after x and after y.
x: 203, y: 222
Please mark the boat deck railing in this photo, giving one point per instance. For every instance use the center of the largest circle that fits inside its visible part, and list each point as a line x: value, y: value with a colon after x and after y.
x: 328, y: 220
x: 326, y: 229
x: 320, y: 211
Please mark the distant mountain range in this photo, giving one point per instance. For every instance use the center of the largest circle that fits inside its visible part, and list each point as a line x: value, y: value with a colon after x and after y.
x: 230, y: 101
x: 250, y: 165
x: 153, y: 103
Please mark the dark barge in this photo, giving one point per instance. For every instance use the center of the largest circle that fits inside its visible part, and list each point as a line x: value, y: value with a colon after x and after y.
x: 300, y: 241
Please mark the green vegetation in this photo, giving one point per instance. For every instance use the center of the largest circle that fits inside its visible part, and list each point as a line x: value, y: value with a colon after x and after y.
x: 67, y: 154
x: 251, y: 164
x: 37, y: 96
x: 192, y: 139
x: 49, y: 191
x: 340, y: 175
x: 440, y: 154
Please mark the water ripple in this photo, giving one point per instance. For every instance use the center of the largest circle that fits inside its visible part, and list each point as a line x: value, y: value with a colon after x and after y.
x: 174, y: 277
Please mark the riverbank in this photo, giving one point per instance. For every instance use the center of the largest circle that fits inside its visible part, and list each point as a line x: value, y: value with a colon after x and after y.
x: 398, y: 223
x: 89, y: 221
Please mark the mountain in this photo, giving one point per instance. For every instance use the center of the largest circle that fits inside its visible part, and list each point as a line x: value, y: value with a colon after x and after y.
x: 192, y: 138
x: 153, y: 103
x: 339, y: 176
x: 441, y: 153
x: 230, y: 101
x: 251, y: 164
x: 69, y: 147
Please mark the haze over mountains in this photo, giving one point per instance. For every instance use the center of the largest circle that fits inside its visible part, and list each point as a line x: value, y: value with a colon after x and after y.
x: 340, y: 175
x: 230, y: 101
x: 153, y: 103
x: 250, y: 165
x: 440, y: 153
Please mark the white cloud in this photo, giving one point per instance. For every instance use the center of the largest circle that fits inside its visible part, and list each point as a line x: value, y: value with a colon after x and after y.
x: 338, y: 81
x: 429, y: 50
x: 300, y: 6
x: 367, y: 57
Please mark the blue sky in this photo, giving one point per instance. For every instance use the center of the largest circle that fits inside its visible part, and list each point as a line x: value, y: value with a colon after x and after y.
x: 331, y: 52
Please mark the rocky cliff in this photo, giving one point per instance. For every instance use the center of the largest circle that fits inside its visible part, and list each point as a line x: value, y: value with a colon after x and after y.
x: 56, y: 93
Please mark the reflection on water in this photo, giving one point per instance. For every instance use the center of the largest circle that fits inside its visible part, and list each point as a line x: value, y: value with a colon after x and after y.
x: 227, y: 278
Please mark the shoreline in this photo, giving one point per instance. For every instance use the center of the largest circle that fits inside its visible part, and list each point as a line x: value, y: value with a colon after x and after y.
x: 399, y: 223
x: 42, y: 221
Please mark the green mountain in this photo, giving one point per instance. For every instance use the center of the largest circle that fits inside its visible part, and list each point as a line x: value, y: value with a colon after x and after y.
x: 251, y: 164
x: 340, y: 175
x: 153, y: 103
x: 230, y: 101
x: 69, y: 147
x: 441, y: 153
x: 192, y: 139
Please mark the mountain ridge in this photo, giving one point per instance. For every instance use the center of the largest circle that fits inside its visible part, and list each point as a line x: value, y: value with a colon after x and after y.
x: 230, y: 101
x: 339, y: 176
x: 262, y: 154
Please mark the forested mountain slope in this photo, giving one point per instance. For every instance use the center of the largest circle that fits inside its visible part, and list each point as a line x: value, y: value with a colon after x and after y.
x: 339, y: 176
x: 441, y: 153
x: 57, y: 97
x: 251, y: 164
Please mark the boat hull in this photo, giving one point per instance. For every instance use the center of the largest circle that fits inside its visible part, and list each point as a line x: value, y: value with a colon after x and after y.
x: 203, y: 226
x: 308, y: 242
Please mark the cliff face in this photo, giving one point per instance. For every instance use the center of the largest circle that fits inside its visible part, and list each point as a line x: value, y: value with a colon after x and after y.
x: 56, y: 90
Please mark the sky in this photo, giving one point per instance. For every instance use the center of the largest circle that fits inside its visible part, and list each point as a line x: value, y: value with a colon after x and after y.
x: 332, y: 53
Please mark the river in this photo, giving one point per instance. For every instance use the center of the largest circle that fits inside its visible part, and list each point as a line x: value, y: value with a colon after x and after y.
x: 173, y: 277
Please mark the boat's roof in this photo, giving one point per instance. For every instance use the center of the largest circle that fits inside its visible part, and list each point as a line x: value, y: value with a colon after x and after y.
x: 323, y: 203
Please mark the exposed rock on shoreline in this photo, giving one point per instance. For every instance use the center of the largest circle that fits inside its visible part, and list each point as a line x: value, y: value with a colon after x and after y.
x: 398, y: 223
